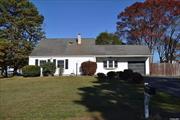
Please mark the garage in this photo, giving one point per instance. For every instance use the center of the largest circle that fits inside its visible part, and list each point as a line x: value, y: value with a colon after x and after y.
x: 137, y: 66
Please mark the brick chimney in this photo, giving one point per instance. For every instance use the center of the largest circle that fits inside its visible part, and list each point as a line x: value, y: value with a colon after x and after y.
x: 79, y: 39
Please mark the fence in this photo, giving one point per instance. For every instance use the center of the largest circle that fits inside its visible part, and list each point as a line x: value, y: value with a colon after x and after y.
x: 165, y: 69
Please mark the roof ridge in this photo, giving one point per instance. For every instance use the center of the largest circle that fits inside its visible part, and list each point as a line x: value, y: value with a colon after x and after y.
x: 59, y: 46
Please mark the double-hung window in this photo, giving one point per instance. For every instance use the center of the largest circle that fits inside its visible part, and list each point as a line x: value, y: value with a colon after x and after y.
x: 60, y: 63
x: 63, y: 64
x: 42, y: 62
x: 110, y: 64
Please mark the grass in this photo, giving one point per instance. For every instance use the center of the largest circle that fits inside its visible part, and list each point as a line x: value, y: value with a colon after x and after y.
x: 59, y: 98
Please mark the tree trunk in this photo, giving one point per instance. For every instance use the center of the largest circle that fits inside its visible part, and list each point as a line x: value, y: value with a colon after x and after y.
x: 6, y: 72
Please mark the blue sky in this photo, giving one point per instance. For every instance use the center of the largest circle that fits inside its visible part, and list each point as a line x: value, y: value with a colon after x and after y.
x: 67, y: 18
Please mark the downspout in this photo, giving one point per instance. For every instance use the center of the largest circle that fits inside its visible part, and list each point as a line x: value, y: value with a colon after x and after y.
x: 76, y: 69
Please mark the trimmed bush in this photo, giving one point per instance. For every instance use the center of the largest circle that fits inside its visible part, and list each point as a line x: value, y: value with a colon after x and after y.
x: 49, y: 69
x: 128, y: 71
x: 128, y: 74
x: 31, y: 71
x: 88, y: 68
x: 111, y: 75
x: 101, y: 76
x: 120, y: 75
x: 61, y: 71
x: 137, y: 78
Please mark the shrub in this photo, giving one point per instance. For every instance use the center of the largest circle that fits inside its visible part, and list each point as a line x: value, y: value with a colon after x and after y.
x: 128, y: 74
x: 111, y: 75
x: 137, y: 78
x: 88, y: 68
x: 61, y: 71
x: 128, y: 71
x: 31, y: 71
x: 101, y: 76
x: 49, y: 69
x: 120, y: 74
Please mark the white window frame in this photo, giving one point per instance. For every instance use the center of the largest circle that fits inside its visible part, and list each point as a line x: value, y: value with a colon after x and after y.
x: 113, y: 64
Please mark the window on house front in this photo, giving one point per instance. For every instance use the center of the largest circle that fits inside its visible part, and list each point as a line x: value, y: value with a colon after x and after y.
x: 42, y: 62
x: 60, y: 63
x: 66, y: 64
x: 36, y: 62
x: 49, y: 60
x: 110, y: 64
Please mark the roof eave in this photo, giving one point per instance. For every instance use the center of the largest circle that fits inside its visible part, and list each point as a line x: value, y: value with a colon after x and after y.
x: 92, y: 56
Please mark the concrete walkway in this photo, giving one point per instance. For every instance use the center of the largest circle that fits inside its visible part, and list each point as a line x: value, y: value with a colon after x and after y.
x: 169, y: 85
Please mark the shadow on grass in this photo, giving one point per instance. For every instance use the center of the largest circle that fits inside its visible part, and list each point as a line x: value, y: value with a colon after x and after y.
x: 165, y: 106
x: 116, y: 100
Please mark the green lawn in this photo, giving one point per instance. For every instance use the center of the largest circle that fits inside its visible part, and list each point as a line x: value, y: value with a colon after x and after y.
x: 78, y: 98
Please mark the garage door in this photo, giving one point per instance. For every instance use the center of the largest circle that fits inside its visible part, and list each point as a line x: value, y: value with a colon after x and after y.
x: 137, y: 67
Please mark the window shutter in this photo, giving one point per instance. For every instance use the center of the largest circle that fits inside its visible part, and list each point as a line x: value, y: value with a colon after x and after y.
x: 105, y: 64
x: 42, y: 62
x: 66, y: 64
x: 116, y: 64
x: 36, y: 62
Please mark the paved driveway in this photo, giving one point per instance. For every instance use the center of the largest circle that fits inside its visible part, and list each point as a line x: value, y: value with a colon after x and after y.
x: 169, y: 85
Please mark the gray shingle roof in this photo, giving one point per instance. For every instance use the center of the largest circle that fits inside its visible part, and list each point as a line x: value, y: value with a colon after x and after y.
x: 68, y: 46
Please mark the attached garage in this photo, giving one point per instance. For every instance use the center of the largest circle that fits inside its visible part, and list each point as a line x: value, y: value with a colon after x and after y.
x: 137, y: 66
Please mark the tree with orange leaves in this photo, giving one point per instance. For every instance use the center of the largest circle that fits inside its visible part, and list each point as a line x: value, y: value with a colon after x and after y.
x: 149, y: 23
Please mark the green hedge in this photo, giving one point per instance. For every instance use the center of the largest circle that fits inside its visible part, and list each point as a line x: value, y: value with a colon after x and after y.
x: 31, y: 71
x: 101, y: 76
x: 137, y: 78
x: 111, y: 75
x: 49, y: 69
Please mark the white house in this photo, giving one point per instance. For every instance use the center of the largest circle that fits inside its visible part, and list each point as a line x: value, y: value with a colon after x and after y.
x: 71, y: 52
